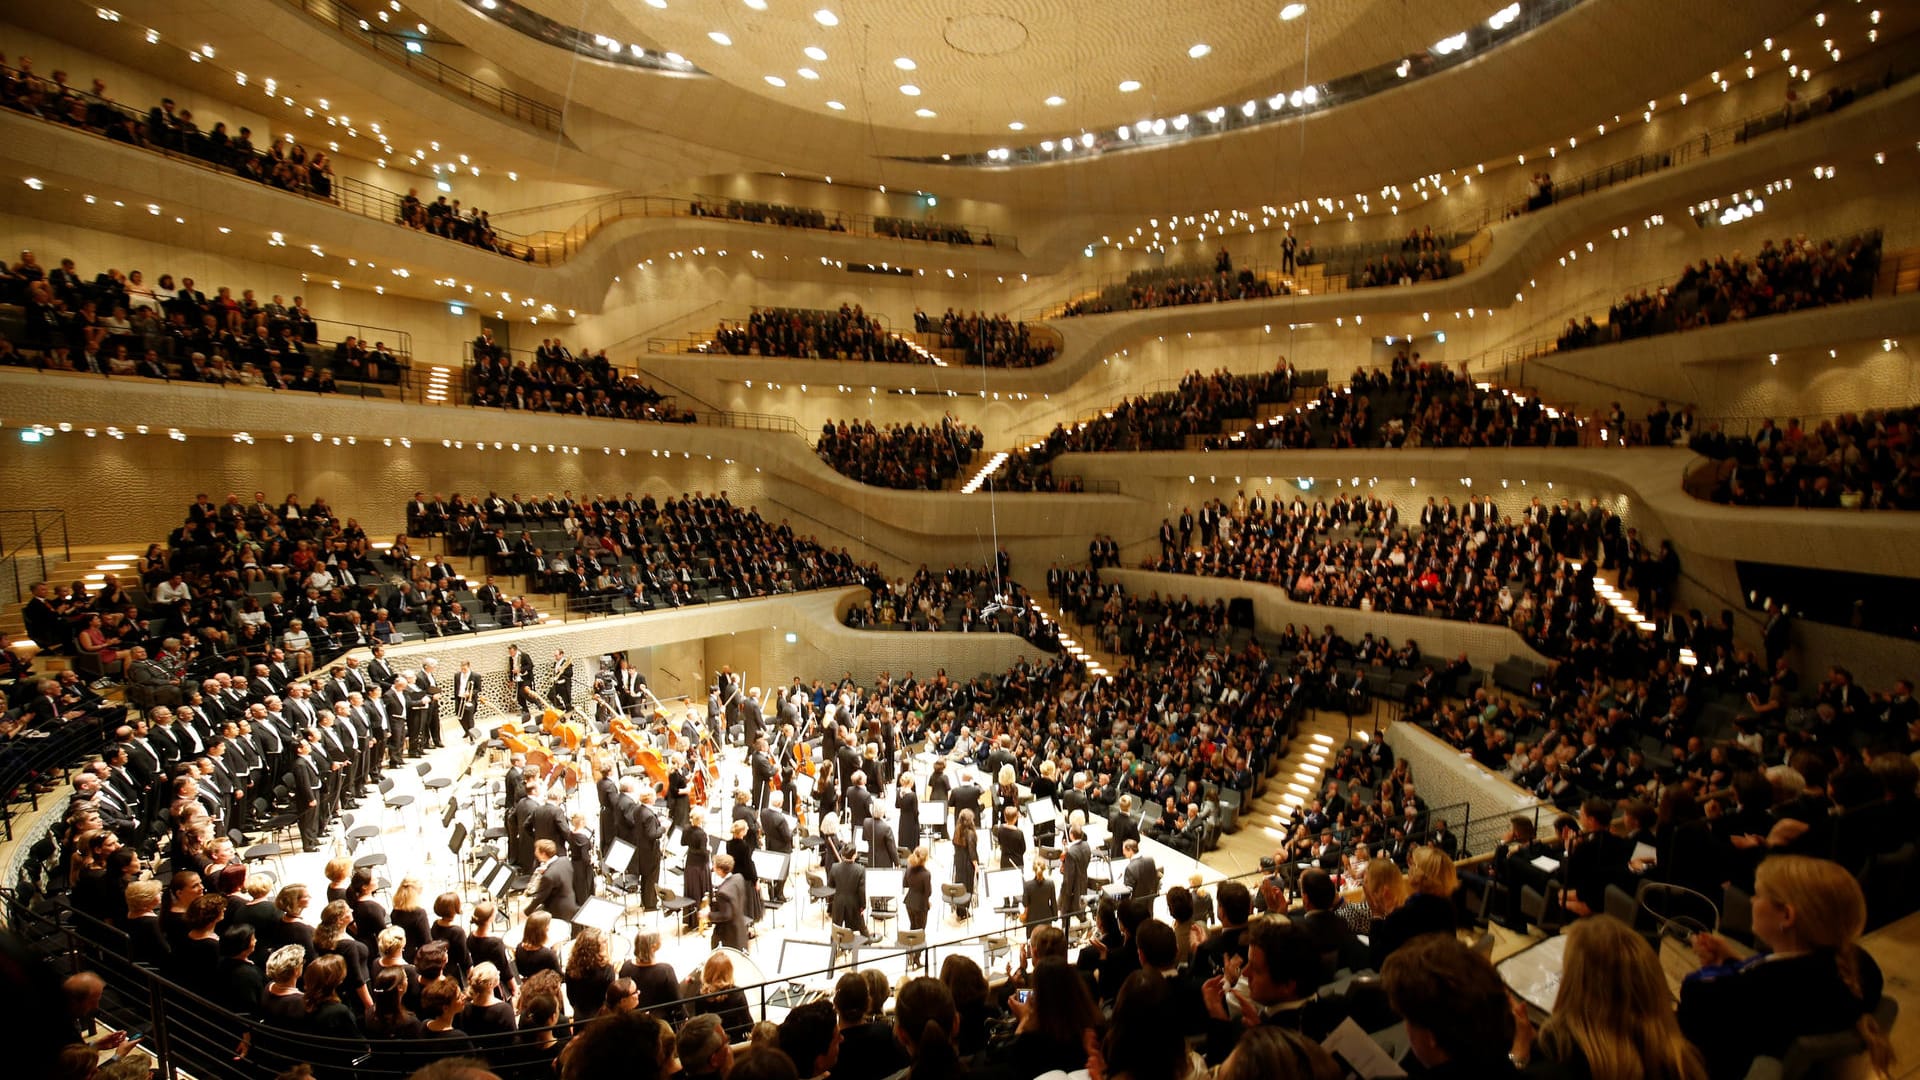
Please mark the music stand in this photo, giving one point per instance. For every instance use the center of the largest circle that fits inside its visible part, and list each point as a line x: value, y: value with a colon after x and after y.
x: 933, y: 819
x: 599, y: 913
x: 458, y: 838
x: 770, y: 865
x: 619, y: 854
x: 1004, y: 885
x: 886, y: 883
x: 1043, y: 812
x: 446, y: 819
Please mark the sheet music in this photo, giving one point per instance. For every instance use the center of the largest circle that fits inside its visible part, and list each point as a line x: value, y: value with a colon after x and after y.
x: 1534, y: 972
x: 620, y: 855
x: 1043, y: 812
x: 770, y: 865
x: 1003, y: 884
x: 886, y: 883
x: 1359, y: 1053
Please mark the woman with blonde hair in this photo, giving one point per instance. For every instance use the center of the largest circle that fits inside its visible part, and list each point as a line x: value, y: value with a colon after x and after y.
x: 410, y: 916
x: 1426, y: 907
x: 1814, y: 979
x: 1612, y: 1018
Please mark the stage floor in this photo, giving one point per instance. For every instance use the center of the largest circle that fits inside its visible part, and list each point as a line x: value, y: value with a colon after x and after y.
x: 790, y: 942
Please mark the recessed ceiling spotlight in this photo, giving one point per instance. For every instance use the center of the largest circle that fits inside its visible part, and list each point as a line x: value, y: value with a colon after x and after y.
x: 808, y: 73
x: 1056, y: 101
x: 910, y: 90
x: 719, y: 38
x: 925, y: 114
x: 775, y: 80
x: 1129, y: 86
x: 825, y: 17
x: 815, y: 52
x: 835, y: 106
x: 1292, y: 12
x: 1016, y: 126
x: 757, y: 5
x: 676, y: 58
x: 1199, y: 50
x: 904, y: 63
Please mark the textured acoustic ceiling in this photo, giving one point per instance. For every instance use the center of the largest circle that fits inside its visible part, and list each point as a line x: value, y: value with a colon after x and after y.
x: 981, y: 66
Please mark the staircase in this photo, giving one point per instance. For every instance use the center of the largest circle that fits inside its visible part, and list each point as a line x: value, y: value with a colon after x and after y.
x: 1297, y: 777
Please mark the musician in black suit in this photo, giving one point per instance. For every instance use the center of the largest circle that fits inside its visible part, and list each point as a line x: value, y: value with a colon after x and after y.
x: 764, y: 770
x: 641, y: 826
x: 552, y: 889
x: 1041, y: 902
x: 1120, y: 826
x: 1010, y: 840
x: 561, y: 692
x: 1142, y: 877
x: 859, y: 801
x: 918, y: 885
x: 1073, y: 874
x: 848, y: 907
x: 908, y: 802
x: 965, y: 796
x: 776, y: 834
x: 466, y: 697
x: 520, y: 679
x: 727, y: 910
x: 548, y: 819
x: 883, y: 851
x: 378, y: 669
x: 306, y: 795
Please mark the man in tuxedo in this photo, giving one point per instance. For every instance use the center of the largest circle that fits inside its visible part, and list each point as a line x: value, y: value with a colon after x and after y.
x: 859, y: 801
x: 1142, y: 876
x: 1040, y: 903
x: 848, y: 906
x: 520, y: 836
x: 763, y: 769
x: 644, y: 829
x: 427, y: 689
x: 727, y: 908
x: 520, y: 680
x: 966, y: 796
x: 561, y: 692
x: 1073, y: 875
x: 552, y: 889
x: 1010, y: 840
x: 908, y: 802
x: 378, y: 669
x: 548, y: 821
x: 883, y: 850
x: 776, y: 834
x: 306, y: 795
x: 394, y: 701
x: 1121, y: 827
x: 466, y: 697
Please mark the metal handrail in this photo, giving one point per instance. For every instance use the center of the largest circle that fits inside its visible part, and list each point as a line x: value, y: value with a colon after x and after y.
x: 37, y: 537
x: 394, y: 48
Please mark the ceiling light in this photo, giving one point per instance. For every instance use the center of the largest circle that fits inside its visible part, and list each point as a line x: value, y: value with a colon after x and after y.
x: 775, y: 80
x: 676, y: 58
x: 925, y: 114
x: 1292, y: 12
x: 1016, y: 126
x: 910, y: 90
x: 1086, y: 140
x: 1129, y: 86
x: 34, y: 182
x: 1199, y: 50
x: 904, y: 63
x: 815, y: 52
x: 719, y: 38
x: 808, y: 73
x: 657, y: 3
x: 757, y: 5
x: 826, y: 18
x: 1056, y: 101
x: 835, y: 106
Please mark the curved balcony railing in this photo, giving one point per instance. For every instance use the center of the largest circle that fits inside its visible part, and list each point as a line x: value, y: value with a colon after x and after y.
x: 393, y: 48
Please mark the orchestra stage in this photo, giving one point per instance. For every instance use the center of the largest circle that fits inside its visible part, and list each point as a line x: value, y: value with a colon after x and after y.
x: 443, y: 821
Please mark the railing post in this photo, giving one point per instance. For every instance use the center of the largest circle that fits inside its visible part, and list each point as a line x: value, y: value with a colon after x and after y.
x: 162, y: 1042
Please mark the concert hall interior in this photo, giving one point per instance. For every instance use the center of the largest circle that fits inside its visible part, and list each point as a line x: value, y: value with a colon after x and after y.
x: 1293, y: 540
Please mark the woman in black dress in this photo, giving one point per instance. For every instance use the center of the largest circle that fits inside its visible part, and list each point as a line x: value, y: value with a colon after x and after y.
x: 369, y: 915
x: 391, y: 1018
x: 441, y: 1004
x: 918, y: 882
x: 447, y: 928
x: 655, y: 981
x: 331, y: 939
x: 532, y: 956
x: 699, y: 871
x: 966, y: 856
x: 484, y: 948
x: 486, y: 1014
x: 329, y: 1018
x: 729, y: 1004
x: 589, y: 971
x: 195, y: 960
x: 409, y: 916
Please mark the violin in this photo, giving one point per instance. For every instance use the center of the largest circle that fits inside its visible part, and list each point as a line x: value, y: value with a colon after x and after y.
x: 803, y: 758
